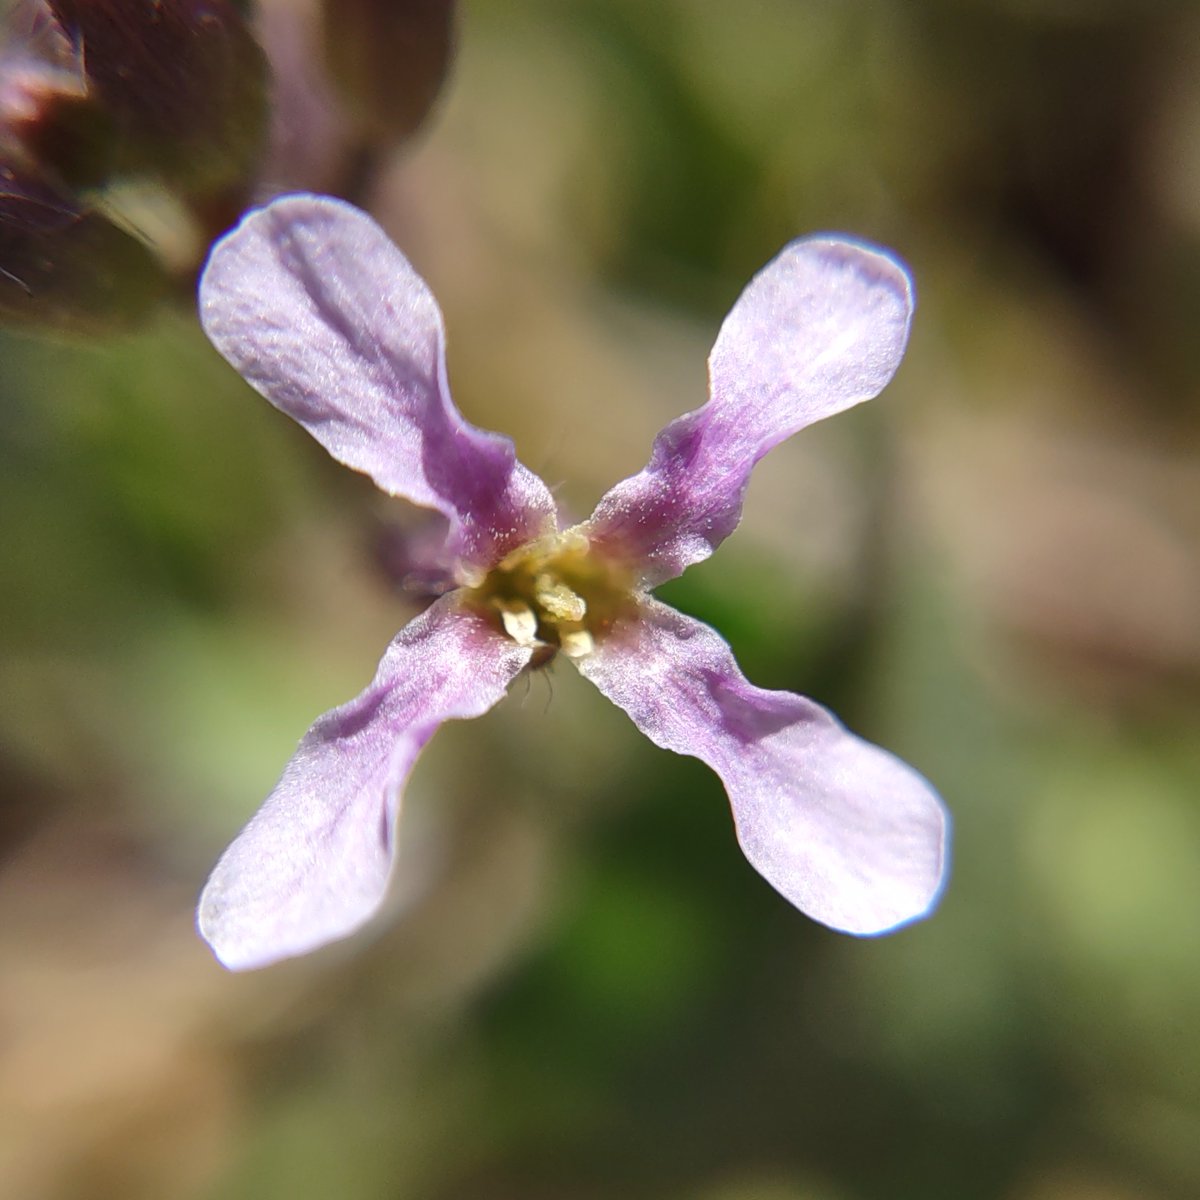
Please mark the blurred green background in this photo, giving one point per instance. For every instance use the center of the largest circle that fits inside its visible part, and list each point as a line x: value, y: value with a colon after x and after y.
x: 583, y: 990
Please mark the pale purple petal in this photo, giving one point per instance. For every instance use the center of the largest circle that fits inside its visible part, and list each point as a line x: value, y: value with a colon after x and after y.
x: 313, y: 864
x: 822, y: 327
x: 844, y: 830
x: 317, y: 309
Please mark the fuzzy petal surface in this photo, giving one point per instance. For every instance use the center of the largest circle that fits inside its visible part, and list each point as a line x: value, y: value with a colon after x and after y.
x: 313, y: 864
x: 845, y: 831
x: 318, y: 311
x: 820, y: 328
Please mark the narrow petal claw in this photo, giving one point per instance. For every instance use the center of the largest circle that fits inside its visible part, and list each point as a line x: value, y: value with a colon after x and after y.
x: 313, y: 864
x: 821, y: 328
x: 845, y: 831
x: 316, y: 308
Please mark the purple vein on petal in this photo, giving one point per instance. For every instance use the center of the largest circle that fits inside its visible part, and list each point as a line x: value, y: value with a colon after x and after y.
x: 318, y: 310
x: 844, y: 830
x: 313, y: 864
x: 822, y: 327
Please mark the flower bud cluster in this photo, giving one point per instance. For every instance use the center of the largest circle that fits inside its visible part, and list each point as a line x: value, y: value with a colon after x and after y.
x: 123, y: 121
x: 96, y: 97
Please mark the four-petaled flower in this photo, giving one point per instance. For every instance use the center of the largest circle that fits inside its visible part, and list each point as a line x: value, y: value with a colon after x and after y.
x: 316, y: 308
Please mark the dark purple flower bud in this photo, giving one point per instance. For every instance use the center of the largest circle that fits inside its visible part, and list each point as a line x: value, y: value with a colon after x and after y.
x: 388, y: 59
x: 183, y: 81
x: 65, y: 269
x: 46, y: 111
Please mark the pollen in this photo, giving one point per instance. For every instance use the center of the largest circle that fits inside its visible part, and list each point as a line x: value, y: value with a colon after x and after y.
x: 558, y: 592
x: 518, y: 620
x: 576, y: 643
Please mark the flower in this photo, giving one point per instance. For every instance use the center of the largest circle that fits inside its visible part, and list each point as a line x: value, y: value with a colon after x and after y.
x: 316, y: 308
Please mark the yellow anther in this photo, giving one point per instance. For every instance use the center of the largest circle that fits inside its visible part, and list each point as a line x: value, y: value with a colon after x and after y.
x: 576, y: 643
x: 519, y: 621
x: 555, y: 591
x: 559, y: 601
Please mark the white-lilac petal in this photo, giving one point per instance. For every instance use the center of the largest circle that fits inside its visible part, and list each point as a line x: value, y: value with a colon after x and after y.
x: 313, y: 864
x: 322, y: 314
x: 822, y: 327
x: 844, y: 830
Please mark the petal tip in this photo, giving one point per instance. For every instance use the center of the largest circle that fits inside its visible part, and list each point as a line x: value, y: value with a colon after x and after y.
x: 232, y: 941
x: 870, y: 260
x: 911, y: 899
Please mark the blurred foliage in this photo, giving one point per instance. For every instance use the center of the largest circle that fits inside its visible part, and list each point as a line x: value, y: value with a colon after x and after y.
x: 584, y: 991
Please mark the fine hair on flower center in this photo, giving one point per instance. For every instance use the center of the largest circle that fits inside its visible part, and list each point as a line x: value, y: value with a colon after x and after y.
x: 555, y: 592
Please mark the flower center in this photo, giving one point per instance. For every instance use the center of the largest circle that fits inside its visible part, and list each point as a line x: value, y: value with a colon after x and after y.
x: 555, y: 591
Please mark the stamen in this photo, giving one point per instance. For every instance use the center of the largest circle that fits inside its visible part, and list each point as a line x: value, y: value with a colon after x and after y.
x: 556, y: 592
x: 576, y: 643
x: 519, y: 620
x: 559, y: 601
